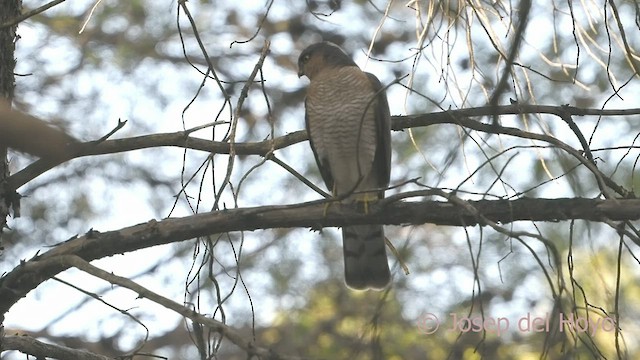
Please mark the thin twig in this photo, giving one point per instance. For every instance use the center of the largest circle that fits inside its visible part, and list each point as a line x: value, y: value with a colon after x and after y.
x: 231, y: 137
x: 86, y: 21
x: 31, y: 13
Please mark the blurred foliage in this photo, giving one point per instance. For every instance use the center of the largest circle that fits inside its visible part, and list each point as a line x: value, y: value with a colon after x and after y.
x: 141, y: 61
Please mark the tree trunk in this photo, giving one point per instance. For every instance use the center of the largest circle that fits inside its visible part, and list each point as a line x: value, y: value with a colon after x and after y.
x: 9, y: 9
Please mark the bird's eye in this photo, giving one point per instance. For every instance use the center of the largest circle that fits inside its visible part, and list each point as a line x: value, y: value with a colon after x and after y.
x: 306, y: 58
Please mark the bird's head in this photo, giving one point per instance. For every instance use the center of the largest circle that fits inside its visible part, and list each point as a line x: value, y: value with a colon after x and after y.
x: 320, y: 56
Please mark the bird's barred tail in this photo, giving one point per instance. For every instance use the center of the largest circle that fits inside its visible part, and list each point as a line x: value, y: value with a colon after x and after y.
x: 365, y: 257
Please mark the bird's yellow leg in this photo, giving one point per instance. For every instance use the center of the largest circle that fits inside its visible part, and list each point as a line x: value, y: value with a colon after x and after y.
x: 326, y: 207
x: 329, y: 201
x: 365, y: 199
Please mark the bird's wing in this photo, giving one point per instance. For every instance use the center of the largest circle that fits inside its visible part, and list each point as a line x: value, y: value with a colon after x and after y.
x: 382, y: 159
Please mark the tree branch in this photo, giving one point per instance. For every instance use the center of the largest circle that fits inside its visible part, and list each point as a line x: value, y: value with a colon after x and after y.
x: 95, y: 245
x: 32, y: 135
x: 461, y: 117
x: 31, y: 13
x: 223, y: 329
x: 179, y: 139
x: 31, y: 346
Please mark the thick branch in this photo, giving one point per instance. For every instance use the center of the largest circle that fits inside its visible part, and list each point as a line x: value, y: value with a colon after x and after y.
x: 32, y: 135
x: 32, y: 346
x: 95, y: 245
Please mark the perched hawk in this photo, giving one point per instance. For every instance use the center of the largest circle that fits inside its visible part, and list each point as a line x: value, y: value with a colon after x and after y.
x: 349, y: 126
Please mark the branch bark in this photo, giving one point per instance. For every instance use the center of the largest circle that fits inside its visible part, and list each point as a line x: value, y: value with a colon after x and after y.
x: 95, y: 245
x: 31, y: 346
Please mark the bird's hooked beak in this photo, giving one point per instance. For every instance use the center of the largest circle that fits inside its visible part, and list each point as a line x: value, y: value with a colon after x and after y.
x: 300, y: 73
